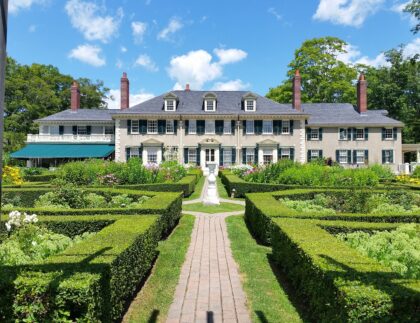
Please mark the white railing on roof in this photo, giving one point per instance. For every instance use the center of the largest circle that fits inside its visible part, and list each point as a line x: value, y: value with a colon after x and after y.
x: 71, y: 138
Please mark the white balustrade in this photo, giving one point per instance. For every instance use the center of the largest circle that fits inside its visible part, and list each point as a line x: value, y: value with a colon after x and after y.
x: 70, y: 138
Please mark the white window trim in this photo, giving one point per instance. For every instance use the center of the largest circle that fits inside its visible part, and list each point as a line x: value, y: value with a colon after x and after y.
x: 227, y: 152
x: 138, y: 127
x: 392, y: 133
x: 254, y: 105
x: 166, y: 105
x: 227, y: 127
x: 250, y: 152
x: 248, y: 132
x: 206, y: 107
x: 154, y: 132
x: 314, y: 155
x: 363, y: 131
x: 288, y: 127
x: 267, y: 152
x: 206, y: 128
x: 317, y: 134
x: 283, y: 155
x: 194, y: 150
x: 270, y: 132
x: 151, y: 152
x: 362, y: 151
x: 173, y: 127
x: 195, y: 127
x: 78, y: 130
x: 132, y: 154
x: 389, y: 152
x: 346, y: 136
x: 339, y: 156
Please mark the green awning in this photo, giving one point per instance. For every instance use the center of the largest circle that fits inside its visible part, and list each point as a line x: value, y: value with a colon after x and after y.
x: 64, y: 151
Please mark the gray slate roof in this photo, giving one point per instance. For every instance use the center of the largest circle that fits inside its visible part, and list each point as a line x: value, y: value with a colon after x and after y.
x: 345, y: 114
x: 81, y: 115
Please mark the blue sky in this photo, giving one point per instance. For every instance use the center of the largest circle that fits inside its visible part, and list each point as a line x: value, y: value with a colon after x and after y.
x: 226, y: 45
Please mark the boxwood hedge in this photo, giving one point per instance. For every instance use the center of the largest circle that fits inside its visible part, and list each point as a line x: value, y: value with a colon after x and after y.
x: 337, y: 282
x: 261, y: 208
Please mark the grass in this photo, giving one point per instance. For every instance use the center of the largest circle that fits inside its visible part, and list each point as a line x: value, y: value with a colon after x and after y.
x: 152, y: 302
x: 223, y: 207
x: 267, y: 299
x: 197, y: 190
x: 221, y: 189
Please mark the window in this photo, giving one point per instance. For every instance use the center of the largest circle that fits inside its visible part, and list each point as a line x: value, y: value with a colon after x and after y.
x: 314, y: 134
x: 249, y: 127
x: 227, y: 127
x: 45, y: 130
x: 249, y: 105
x: 192, y: 155
x: 227, y: 157
x: 250, y: 156
x: 267, y: 156
x: 314, y: 154
x: 170, y: 105
x: 285, y: 127
x: 192, y: 127
x: 210, y: 105
x: 360, y: 156
x: 152, y: 156
x: 134, y: 126
x: 285, y: 153
x: 109, y: 130
x: 210, y: 127
x: 387, y: 157
x: 82, y: 130
x: 360, y: 134
x: 171, y: 153
x: 170, y: 129
x: 343, y: 134
x: 267, y: 127
x: 389, y: 134
x: 152, y: 126
x: 54, y: 130
x: 342, y: 156
x: 135, y: 152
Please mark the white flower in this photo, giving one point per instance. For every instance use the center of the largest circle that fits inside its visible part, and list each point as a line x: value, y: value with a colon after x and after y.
x: 34, y: 243
x: 8, y: 226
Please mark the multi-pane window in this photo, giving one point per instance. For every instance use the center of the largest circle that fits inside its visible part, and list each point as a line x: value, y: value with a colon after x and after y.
x: 387, y: 157
x: 267, y: 127
x: 250, y: 156
x: 109, y: 130
x: 342, y: 156
x: 210, y: 105
x: 227, y: 157
x: 134, y: 126
x: 135, y: 152
x: 210, y: 127
x: 171, y: 153
x: 249, y: 105
x: 389, y: 134
x: 82, y: 130
x: 192, y: 127
x: 54, y: 130
x: 152, y: 156
x: 285, y: 127
x: 343, y: 134
x: 267, y: 156
x: 360, y: 133
x: 192, y: 155
x: 152, y: 126
x: 249, y: 127
x: 227, y: 127
x: 45, y: 130
x: 170, y: 126
x: 285, y: 153
x: 314, y: 154
x: 170, y: 105
x: 314, y: 134
x: 360, y: 156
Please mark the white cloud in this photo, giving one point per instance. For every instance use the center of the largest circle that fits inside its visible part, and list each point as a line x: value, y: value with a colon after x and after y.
x: 412, y: 48
x: 234, y: 85
x: 399, y: 8
x: 16, y: 5
x: 274, y: 12
x: 174, y: 25
x: 139, y: 29
x: 86, y: 17
x: 197, y: 67
x: 123, y: 49
x: 228, y: 56
x: 354, y: 56
x: 113, y: 100
x: 146, y: 62
x: 88, y: 54
x: 346, y: 12
x: 32, y: 28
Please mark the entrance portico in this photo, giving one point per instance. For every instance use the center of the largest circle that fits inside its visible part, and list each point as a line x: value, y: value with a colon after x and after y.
x: 209, y: 154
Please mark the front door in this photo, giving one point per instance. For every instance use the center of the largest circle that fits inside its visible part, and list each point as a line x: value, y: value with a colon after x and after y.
x: 210, y: 155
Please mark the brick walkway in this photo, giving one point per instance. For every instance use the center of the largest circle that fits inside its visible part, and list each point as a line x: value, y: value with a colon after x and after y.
x: 209, y: 288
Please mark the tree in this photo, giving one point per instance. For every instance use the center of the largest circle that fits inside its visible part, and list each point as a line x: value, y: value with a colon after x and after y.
x: 414, y: 9
x: 35, y: 91
x: 396, y: 88
x: 325, y: 78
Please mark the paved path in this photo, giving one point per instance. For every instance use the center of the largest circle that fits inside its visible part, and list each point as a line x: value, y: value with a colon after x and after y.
x: 209, y: 288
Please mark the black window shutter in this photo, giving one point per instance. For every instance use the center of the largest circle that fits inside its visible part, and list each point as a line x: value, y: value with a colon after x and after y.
x: 141, y: 152
x: 308, y: 134
x: 349, y: 133
x: 233, y: 155
x: 278, y: 153
x: 162, y: 149
x: 395, y: 133
x: 383, y: 156
x: 292, y: 153
x: 243, y: 155
x: 187, y: 123
x: 127, y: 153
x: 308, y: 155
x: 219, y: 127
x: 366, y: 155
x: 61, y: 130
x: 337, y: 156
x: 354, y: 157
x: 256, y: 155
x: 349, y: 156
x: 366, y: 133
x: 175, y: 126
x: 321, y: 155
x: 232, y: 124
x: 291, y: 127
x: 258, y: 127
x: 221, y: 156
x: 276, y: 127
x: 320, y: 134
x: 89, y: 130
x: 74, y: 130
x: 244, y: 127
x: 129, y: 127
x: 185, y: 155
x: 198, y: 154
x: 353, y: 130
x: 201, y: 126
x: 161, y: 127
x: 143, y: 126
x: 383, y: 133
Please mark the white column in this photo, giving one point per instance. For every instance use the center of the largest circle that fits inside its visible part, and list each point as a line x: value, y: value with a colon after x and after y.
x: 302, y: 142
x: 144, y: 155
x: 118, y: 155
x: 181, y: 143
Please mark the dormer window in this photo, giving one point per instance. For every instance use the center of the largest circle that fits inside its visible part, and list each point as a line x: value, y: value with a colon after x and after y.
x: 250, y: 105
x: 210, y: 102
x: 170, y: 101
x: 249, y: 102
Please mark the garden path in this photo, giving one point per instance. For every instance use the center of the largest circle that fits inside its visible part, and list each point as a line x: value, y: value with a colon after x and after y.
x: 209, y: 287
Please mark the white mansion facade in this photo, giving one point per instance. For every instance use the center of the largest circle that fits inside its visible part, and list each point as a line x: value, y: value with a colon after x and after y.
x: 218, y: 127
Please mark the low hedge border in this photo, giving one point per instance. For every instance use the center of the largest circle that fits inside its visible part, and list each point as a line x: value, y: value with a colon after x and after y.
x: 338, y: 283
x: 261, y: 208
x: 90, y: 281
x: 40, y: 178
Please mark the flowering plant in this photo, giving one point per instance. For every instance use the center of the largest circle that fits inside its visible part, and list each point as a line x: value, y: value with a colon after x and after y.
x: 12, y: 175
x: 108, y: 179
x: 16, y: 220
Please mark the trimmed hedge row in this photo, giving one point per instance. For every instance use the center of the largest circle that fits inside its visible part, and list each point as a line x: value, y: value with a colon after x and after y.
x: 90, y: 281
x: 261, y: 208
x: 40, y: 178
x: 338, y: 283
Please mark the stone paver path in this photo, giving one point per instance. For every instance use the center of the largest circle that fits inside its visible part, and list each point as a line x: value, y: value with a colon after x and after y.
x: 209, y: 288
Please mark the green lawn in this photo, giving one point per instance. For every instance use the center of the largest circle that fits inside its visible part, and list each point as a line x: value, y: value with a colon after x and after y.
x: 153, y: 301
x: 221, y: 189
x: 197, y: 191
x: 223, y: 207
x: 267, y: 299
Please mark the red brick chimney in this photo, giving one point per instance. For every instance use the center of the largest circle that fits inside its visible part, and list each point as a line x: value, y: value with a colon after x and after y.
x: 296, y: 103
x: 75, y: 96
x: 125, y: 92
x: 362, y: 94
x: 187, y: 87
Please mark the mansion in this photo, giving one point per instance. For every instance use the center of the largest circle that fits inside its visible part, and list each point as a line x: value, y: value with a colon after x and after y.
x: 218, y: 127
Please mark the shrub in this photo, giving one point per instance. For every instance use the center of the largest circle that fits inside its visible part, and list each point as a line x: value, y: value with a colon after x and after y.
x: 12, y: 175
x: 416, y: 173
x: 307, y: 207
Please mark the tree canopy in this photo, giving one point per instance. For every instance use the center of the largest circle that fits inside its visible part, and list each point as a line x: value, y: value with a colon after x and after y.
x: 413, y: 8
x: 35, y: 91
